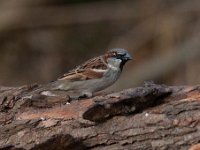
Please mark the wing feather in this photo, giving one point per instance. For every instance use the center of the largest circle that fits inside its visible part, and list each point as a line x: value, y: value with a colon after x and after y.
x: 91, y: 69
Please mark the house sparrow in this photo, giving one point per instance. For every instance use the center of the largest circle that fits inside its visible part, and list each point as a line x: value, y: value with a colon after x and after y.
x: 92, y: 76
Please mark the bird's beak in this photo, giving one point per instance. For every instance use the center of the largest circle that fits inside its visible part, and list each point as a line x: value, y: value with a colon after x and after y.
x: 127, y: 57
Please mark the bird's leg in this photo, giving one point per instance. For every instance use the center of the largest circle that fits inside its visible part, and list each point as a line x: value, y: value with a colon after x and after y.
x: 85, y: 95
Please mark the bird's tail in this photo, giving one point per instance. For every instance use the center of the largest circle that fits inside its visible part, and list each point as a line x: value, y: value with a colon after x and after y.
x: 52, y: 86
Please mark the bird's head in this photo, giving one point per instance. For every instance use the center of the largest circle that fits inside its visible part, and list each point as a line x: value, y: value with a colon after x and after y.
x: 118, y: 57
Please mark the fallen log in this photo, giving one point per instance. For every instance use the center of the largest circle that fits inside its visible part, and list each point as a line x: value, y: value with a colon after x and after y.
x: 148, y: 117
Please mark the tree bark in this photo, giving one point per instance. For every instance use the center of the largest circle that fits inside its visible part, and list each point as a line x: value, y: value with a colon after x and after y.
x: 148, y: 117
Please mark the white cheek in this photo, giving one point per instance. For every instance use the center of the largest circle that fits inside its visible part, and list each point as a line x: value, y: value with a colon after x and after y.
x: 118, y: 61
x: 115, y: 65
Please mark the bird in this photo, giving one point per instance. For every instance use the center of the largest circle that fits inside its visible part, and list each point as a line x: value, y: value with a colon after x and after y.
x: 92, y: 76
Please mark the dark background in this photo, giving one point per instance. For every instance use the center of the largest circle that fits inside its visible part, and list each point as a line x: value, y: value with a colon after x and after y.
x: 42, y: 39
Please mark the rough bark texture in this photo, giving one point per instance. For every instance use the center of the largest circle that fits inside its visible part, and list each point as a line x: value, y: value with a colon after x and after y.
x: 148, y: 117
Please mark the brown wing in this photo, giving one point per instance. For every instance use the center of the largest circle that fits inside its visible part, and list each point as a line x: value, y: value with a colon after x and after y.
x: 94, y: 63
x: 86, y: 71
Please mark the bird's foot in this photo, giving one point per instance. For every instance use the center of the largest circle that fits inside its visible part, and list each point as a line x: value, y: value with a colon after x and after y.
x: 85, y: 95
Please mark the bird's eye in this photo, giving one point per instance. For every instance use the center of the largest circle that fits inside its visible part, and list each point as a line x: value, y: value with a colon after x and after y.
x: 121, y: 55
